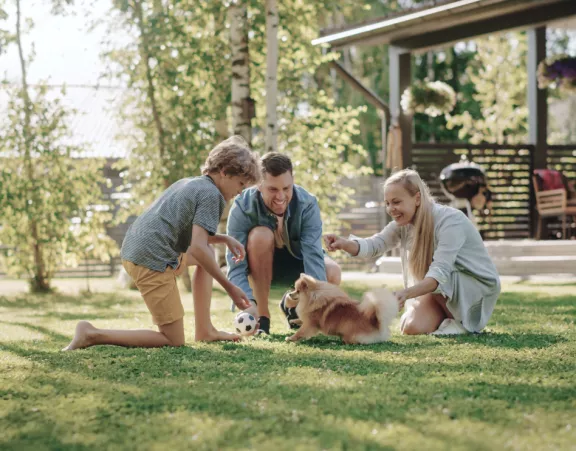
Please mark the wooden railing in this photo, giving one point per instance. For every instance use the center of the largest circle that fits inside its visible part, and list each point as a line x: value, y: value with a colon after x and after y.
x: 563, y: 159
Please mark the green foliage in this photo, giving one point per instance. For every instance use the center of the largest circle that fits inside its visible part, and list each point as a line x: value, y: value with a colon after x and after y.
x: 188, y: 48
x: 52, y: 212
x: 313, y: 131
x: 500, y: 89
x: 42, y: 184
x: 511, y: 387
x: 185, y: 48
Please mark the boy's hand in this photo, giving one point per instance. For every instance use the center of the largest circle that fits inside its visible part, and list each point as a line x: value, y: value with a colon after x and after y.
x: 238, y: 251
x: 238, y: 297
x: 334, y: 242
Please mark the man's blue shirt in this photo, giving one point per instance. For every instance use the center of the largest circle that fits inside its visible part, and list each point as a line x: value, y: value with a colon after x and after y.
x: 302, y: 227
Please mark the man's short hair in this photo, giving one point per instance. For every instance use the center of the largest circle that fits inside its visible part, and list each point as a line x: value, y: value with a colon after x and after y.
x: 275, y: 164
x: 234, y: 157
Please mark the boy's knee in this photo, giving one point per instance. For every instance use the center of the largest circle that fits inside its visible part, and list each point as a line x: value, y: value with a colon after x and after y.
x: 178, y: 343
x: 175, y: 342
x: 260, y: 238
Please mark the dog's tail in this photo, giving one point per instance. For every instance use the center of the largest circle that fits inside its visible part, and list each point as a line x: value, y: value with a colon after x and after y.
x: 381, y: 303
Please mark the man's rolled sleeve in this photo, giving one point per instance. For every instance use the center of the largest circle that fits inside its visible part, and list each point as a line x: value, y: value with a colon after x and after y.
x: 238, y: 227
x: 311, y: 240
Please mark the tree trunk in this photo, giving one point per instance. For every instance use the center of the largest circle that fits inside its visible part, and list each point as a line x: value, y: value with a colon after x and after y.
x: 40, y: 281
x: 431, y: 76
x: 145, y: 57
x: 242, y: 103
x: 271, y: 75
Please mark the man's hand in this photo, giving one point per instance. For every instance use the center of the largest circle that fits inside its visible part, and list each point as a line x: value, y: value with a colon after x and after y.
x: 238, y: 297
x: 334, y: 242
x: 236, y: 248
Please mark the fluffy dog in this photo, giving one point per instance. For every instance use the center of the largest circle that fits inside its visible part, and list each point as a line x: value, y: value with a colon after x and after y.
x: 325, y: 308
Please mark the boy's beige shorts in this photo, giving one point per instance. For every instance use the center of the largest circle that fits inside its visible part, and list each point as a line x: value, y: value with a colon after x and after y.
x: 159, y: 290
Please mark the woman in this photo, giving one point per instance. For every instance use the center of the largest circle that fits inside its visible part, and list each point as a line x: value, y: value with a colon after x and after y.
x: 456, y: 284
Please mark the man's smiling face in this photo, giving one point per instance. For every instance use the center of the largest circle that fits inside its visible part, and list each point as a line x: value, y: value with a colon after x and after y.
x: 277, y: 191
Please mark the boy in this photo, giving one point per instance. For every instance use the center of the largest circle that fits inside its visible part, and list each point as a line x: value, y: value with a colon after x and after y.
x: 174, y: 232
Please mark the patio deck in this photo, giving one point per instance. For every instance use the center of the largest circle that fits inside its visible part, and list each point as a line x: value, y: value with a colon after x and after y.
x: 523, y: 258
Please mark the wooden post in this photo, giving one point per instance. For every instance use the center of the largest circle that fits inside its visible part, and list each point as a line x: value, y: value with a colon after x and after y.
x: 400, y: 79
x: 537, y: 113
x: 537, y: 98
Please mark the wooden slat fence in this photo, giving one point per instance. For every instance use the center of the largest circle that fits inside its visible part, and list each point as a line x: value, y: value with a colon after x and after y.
x: 508, y: 170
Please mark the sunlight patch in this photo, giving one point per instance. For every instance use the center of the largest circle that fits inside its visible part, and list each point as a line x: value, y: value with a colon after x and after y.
x: 12, y: 332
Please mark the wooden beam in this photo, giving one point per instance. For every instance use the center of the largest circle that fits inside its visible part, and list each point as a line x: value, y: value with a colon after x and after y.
x: 519, y: 19
x: 373, y: 99
x: 400, y: 79
x: 368, y: 94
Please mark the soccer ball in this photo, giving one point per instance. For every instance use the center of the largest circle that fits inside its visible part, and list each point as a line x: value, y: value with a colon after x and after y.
x: 245, y: 323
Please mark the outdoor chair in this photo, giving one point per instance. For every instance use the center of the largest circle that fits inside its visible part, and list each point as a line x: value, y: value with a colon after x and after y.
x: 555, y: 197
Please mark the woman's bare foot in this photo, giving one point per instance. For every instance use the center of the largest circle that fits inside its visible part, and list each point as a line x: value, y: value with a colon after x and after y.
x: 82, y: 337
x: 216, y: 335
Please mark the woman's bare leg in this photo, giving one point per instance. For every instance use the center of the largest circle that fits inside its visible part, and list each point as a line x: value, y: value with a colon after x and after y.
x: 425, y: 315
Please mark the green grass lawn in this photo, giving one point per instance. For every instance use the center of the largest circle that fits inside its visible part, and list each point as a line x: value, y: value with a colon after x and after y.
x: 512, y: 387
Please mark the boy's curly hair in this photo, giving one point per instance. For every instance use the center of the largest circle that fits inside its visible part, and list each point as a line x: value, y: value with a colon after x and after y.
x: 234, y: 157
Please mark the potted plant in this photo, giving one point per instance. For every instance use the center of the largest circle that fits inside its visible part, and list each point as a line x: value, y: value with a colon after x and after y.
x: 429, y: 97
x: 558, y: 72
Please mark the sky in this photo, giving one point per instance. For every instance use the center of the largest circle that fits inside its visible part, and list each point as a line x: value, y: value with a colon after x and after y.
x: 66, y: 51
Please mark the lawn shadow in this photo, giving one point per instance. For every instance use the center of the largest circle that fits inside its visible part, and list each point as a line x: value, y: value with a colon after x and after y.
x: 42, y: 301
x: 227, y: 382
x: 54, y: 336
x: 88, y: 316
x: 508, y: 340
x: 536, y: 300
x: 528, y: 282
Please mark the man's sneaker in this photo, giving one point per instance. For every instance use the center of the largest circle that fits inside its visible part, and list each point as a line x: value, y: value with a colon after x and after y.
x: 263, y: 326
x: 450, y: 327
x: 290, y: 313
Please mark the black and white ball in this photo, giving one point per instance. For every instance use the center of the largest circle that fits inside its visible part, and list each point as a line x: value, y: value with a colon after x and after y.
x: 245, y: 323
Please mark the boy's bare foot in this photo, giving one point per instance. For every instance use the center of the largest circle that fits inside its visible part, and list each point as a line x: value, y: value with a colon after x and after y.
x: 82, y: 336
x: 216, y: 335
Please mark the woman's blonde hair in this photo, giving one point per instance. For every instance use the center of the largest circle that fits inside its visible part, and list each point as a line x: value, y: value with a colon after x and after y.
x: 234, y: 157
x: 423, y: 243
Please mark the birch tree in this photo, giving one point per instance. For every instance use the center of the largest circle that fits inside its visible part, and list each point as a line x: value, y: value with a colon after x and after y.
x: 271, y: 75
x: 242, y: 103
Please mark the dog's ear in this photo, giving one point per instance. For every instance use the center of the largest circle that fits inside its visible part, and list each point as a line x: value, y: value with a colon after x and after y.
x: 307, y: 282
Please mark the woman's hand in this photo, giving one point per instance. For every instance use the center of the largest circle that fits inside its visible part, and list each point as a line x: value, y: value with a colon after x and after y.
x: 334, y: 242
x: 236, y: 249
x: 401, y: 297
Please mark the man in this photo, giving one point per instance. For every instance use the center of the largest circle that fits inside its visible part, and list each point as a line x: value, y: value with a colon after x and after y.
x: 279, y: 224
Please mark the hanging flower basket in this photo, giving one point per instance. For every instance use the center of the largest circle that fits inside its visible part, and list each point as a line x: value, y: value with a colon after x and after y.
x: 429, y: 97
x: 558, y: 72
